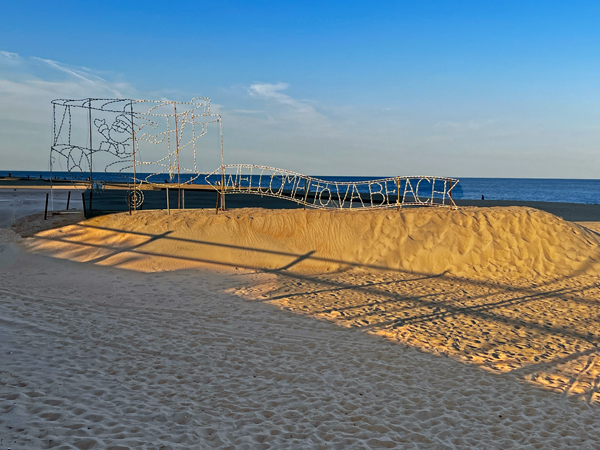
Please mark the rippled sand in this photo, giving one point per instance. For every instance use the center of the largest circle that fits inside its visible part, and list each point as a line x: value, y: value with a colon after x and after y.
x: 147, y: 345
x: 509, y: 242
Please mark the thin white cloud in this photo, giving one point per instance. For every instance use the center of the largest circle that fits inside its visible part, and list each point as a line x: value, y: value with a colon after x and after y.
x: 269, y: 90
x: 272, y: 92
x: 74, y: 72
x: 8, y: 58
x: 27, y: 86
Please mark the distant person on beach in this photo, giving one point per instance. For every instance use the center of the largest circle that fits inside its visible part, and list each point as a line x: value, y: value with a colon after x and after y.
x: 482, y: 197
x: 9, y: 175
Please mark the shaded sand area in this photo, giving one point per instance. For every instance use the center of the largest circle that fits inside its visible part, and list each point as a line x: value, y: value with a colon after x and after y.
x: 18, y: 204
x: 256, y: 329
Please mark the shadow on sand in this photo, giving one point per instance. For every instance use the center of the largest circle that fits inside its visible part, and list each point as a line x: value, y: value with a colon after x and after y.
x: 542, y: 331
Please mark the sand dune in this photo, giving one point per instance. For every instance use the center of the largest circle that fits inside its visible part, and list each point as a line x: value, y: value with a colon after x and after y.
x: 99, y: 357
x: 511, y: 242
x: 517, y: 292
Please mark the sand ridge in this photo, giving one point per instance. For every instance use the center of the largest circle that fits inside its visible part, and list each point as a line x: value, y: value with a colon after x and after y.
x: 514, y: 242
x: 97, y: 357
x: 509, y: 289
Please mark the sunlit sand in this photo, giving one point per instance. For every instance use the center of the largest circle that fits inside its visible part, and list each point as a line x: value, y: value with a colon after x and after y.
x: 508, y: 243
x: 253, y: 328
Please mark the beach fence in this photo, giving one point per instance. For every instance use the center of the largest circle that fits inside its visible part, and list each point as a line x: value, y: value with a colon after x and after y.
x: 117, y: 200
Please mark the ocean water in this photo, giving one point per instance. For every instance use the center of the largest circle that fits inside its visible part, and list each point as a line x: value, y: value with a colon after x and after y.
x: 524, y: 189
x: 531, y: 189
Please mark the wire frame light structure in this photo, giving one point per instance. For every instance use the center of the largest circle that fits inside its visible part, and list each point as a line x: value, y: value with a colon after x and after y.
x: 139, y: 141
x: 326, y: 194
x: 145, y: 143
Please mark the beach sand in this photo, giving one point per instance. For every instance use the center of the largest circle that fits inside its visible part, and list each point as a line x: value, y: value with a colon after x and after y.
x: 16, y: 204
x: 424, y: 328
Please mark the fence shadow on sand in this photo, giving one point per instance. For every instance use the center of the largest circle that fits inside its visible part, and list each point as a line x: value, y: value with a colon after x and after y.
x: 542, y: 331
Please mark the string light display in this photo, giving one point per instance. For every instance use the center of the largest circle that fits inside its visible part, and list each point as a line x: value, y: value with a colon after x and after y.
x: 318, y: 193
x: 151, y: 141
x: 112, y: 135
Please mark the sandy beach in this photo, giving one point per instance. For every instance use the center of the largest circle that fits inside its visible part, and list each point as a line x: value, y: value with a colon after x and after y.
x: 419, y: 328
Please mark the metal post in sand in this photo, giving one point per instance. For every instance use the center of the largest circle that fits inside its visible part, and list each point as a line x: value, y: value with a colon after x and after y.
x: 46, y: 208
x: 168, y: 208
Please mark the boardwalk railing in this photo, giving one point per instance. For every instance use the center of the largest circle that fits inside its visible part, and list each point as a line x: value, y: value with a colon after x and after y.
x: 318, y: 193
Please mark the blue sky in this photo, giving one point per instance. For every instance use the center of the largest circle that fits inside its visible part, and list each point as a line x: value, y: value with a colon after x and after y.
x: 498, y: 89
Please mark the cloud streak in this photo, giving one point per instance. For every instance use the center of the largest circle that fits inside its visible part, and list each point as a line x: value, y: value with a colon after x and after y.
x: 78, y: 74
x: 60, y: 77
x: 27, y: 86
x: 273, y: 93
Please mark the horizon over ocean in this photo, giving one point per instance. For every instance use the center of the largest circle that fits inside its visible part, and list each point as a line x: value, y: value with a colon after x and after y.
x: 586, y: 191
